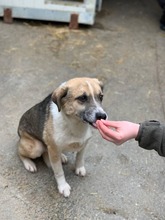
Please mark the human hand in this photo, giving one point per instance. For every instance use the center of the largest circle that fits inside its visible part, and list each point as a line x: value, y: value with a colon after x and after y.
x: 117, y: 132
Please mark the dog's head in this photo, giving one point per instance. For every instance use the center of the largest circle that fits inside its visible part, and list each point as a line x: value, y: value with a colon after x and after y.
x: 81, y: 98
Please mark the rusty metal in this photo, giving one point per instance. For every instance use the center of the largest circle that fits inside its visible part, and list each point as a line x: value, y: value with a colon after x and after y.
x: 7, y: 17
x: 74, y: 21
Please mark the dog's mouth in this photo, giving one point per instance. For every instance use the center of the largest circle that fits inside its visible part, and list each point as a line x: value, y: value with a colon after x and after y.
x: 93, y: 125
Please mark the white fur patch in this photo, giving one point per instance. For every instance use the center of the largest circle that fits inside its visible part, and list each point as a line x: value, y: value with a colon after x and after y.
x: 68, y: 132
x: 63, y: 187
x: 92, y: 92
x: 81, y: 171
x: 29, y: 165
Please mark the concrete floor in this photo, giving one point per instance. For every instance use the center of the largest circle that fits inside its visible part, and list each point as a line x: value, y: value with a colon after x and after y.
x: 126, y: 50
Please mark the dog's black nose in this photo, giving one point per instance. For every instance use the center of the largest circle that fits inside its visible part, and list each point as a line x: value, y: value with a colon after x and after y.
x: 100, y: 116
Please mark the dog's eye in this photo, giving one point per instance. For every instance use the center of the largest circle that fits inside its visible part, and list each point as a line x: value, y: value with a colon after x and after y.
x: 82, y: 98
x: 101, y: 97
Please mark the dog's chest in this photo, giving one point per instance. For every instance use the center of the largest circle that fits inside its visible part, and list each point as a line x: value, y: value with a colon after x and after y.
x: 69, y: 135
x: 67, y: 141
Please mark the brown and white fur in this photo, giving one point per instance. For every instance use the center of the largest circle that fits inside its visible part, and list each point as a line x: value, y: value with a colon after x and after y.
x: 61, y: 122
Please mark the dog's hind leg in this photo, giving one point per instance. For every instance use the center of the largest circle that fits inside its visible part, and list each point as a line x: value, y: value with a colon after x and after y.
x: 29, y: 148
x: 28, y: 164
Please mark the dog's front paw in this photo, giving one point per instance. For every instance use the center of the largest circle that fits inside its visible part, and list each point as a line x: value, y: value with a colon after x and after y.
x: 64, y: 189
x: 81, y: 171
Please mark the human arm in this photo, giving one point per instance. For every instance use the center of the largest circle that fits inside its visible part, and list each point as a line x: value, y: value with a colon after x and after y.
x: 117, y: 132
x: 149, y: 134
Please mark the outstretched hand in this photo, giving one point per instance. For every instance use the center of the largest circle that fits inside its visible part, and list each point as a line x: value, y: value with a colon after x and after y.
x: 117, y: 132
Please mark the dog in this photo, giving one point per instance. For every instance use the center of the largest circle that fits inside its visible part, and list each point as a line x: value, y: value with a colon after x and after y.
x: 60, y: 123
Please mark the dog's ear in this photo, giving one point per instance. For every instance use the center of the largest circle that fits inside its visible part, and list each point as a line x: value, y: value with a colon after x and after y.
x: 58, y: 94
x: 101, y: 85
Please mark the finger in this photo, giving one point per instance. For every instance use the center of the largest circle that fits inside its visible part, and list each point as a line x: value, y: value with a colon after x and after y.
x: 105, y: 136
x: 105, y: 122
x: 101, y: 123
x: 113, y: 124
x: 110, y: 138
x: 109, y: 133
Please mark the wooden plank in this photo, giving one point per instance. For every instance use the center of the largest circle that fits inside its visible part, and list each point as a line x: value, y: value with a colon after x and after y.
x: 7, y: 16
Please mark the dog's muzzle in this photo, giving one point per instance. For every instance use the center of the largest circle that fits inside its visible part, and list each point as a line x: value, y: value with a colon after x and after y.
x: 93, y: 114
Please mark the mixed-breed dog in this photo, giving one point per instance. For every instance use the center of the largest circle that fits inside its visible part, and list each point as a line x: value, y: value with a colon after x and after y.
x: 62, y: 122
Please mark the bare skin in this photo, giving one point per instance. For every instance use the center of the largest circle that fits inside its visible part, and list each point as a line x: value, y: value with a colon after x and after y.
x: 117, y: 132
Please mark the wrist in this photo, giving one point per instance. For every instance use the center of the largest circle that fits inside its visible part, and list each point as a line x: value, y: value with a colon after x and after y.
x: 135, y: 130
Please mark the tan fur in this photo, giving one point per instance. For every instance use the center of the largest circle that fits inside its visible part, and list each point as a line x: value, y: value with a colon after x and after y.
x: 30, y: 147
x: 63, y: 130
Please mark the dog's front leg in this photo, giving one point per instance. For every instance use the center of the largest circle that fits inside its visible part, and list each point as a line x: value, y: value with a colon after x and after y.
x: 79, y: 165
x: 55, y: 160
